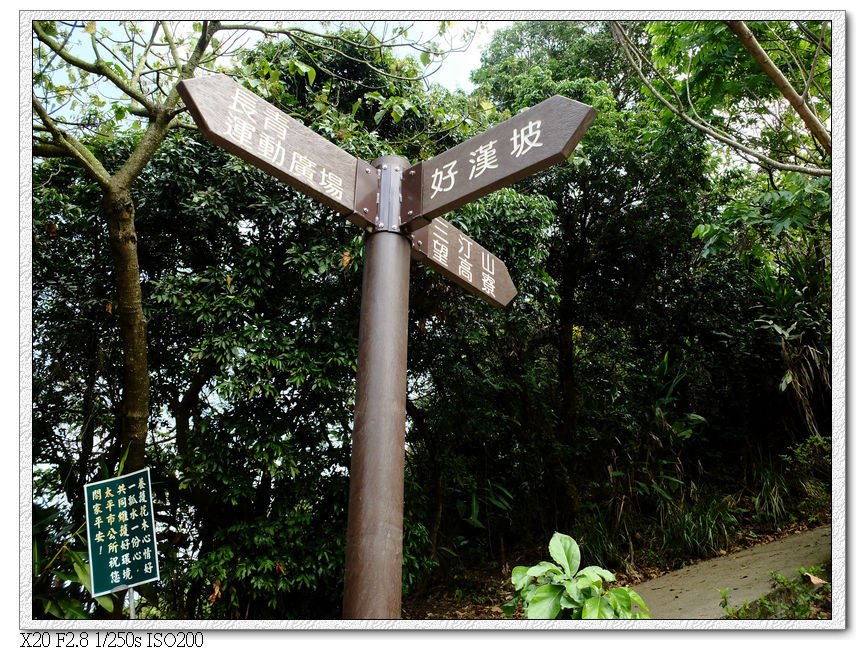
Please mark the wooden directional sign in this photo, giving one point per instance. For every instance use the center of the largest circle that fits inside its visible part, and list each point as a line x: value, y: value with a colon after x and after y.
x: 443, y: 247
x: 388, y: 198
x: 253, y: 129
x: 538, y: 137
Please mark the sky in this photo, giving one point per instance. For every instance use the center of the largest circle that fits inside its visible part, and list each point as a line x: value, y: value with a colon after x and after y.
x: 454, y: 72
x: 458, y: 66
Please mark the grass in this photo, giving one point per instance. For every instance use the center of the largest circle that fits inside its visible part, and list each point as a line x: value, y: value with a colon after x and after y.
x: 807, y: 597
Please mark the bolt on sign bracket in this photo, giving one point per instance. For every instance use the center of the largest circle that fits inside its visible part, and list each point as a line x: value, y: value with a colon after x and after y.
x: 365, y: 212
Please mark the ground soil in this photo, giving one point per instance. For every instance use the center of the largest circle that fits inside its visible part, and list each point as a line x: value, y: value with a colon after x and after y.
x: 690, y: 592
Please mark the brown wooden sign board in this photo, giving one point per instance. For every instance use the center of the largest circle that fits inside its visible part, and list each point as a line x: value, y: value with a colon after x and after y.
x: 445, y: 248
x: 388, y: 201
x: 537, y: 138
x: 240, y: 121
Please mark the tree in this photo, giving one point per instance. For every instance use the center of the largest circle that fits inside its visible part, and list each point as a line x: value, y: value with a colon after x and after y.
x: 738, y: 84
x: 251, y: 296
x: 622, y: 210
x: 158, y: 104
x: 144, y: 66
x: 656, y: 339
x: 719, y: 79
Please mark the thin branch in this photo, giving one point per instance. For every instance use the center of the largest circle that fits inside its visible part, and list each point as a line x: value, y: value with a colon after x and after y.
x: 688, y: 92
x: 172, y: 46
x: 789, y: 51
x: 208, y: 29
x: 627, y: 46
x: 812, y: 122
x: 811, y: 36
x: 814, y: 63
x: 73, y: 147
x: 299, y: 35
x: 136, y: 74
x: 54, y: 54
x: 98, y: 68
x: 635, y: 50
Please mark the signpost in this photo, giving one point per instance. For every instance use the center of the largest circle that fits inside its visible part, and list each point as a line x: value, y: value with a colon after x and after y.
x: 246, y: 125
x: 534, y: 139
x: 398, y: 205
x: 443, y: 247
x: 121, y: 539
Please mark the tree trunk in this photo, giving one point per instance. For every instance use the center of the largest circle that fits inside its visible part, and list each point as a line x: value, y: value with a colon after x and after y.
x: 571, y: 269
x: 119, y: 212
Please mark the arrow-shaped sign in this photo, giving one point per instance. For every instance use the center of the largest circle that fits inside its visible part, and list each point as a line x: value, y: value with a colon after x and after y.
x: 240, y: 121
x: 539, y: 137
x: 389, y: 200
x: 445, y: 248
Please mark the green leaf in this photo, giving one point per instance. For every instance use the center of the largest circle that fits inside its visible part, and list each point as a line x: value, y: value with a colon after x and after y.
x: 379, y: 115
x: 545, y: 602
x: 107, y: 602
x: 123, y: 461
x: 425, y: 58
x: 565, y: 551
x: 573, y: 590
x: 567, y: 602
x: 519, y: 577
x: 621, y: 602
x: 596, y: 574
x: 543, y: 567
x: 72, y: 609
x: 598, y: 607
x: 510, y: 607
x: 636, y: 598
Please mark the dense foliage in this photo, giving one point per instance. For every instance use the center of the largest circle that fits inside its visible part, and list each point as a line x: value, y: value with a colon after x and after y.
x: 661, y: 382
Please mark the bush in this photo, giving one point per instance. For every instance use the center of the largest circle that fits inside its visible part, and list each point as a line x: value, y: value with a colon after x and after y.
x: 702, y: 528
x: 809, y: 468
x: 552, y: 591
x: 809, y: 597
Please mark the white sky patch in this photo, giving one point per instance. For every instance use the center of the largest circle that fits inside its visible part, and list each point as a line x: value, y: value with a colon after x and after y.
x: 456, y: 69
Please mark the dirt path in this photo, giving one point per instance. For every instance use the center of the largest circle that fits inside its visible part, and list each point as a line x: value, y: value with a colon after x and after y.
x: 692, y: 592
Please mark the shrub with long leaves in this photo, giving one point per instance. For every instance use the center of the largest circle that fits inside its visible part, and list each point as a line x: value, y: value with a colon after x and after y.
x: 563, y: 590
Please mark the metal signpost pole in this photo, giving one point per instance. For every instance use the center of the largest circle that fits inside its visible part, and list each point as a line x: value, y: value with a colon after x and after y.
x: 131, y: 593
x: 373, y: 572
x: 399, y: 207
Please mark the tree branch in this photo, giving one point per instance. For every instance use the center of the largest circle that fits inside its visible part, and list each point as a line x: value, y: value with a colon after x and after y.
x: 43, y: 149
x: 136, y: 74
x: 98, y: 68
x: 629, y: 48
x: 172, y: 46
x: 812, y: 122
x: 208, y: 29
x: 72, y: 146
x: 814, y: 63
x: 811, y: 36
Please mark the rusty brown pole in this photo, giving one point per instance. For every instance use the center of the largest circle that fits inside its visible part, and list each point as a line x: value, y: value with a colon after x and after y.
x: 373, y: 566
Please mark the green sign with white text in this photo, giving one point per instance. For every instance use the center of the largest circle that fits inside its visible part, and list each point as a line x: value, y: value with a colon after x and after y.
x: 120, y: 534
